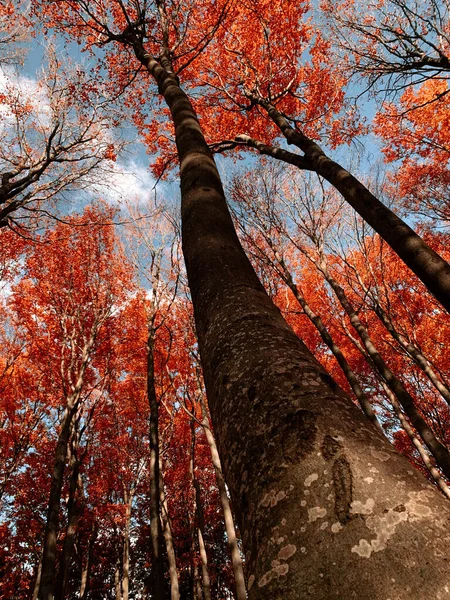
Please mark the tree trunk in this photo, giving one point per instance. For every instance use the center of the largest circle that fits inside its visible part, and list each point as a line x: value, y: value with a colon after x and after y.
x: 414, y: 353
x: 126, y: 551
x: 167, y: 532
x: 156, y: 535
x: 37, y: 583
x: 199, y: 517
x: 336, y: 351
x: 117, y: 583
x: 86, y: 571
x: 416, y: 442
x: 431, y: 268
x: 439, y: 451
x: 47, y: 586
x: 236, y: 561
x: 327, y: 508
x: 72, y: 522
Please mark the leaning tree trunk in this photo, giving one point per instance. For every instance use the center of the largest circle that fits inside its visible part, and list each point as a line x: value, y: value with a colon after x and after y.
x: 200, y: 519
x: 431, y: 268
x: 236, y: 561
x: 326, y: 507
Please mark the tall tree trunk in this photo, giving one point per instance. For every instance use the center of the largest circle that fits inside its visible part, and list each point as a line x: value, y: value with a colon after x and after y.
x: 316, y: 490
x: 416, y: 442
x: 126, y: 549
x: 414, y: 353
x: 46, y: 590
x: 435, y: 474
x: 412, y: 350
x: 72, y: 522
x: 168, y: 538
x: 431, y: 269
x: 37, y: 583
x: 199, y: 517
x: 156, y: 535
x: 117, y: 582
x: 236, y: 561
x: 86, y: 570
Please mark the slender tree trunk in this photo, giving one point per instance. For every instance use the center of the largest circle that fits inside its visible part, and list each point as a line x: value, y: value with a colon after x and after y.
x: 167, y: 532
x: 86, y: 571
x: 156, y: 535
x: 414, y: 353
x: 316, y: 490
x: 431, y: 269
x: 38, y: 581
x: 126, y: 550
x: 46, y: 590
x: 72, y: 522
x: 206, y: 584
x: 439, y: 451
x: 435, y: 474
x: 236, y: 561
x: 117, y: 582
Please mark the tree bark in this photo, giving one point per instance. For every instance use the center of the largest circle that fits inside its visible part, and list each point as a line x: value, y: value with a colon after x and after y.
x: 46, y: 590
x: 327, y: 508
x: 37, y: 583
x: 336, y: 351
x: 117, y: 583
x: 199, y: 518
x: 156, y: 535
x: 416, y: 442
x: 126, y: 550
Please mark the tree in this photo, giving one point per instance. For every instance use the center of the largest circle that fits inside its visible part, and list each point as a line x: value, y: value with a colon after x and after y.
x: 57, y: 139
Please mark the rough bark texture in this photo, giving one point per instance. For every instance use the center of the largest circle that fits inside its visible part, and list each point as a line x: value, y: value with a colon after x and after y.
x: 327, y: 508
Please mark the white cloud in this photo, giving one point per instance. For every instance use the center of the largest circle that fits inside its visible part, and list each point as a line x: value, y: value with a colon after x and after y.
x: 127, y: 182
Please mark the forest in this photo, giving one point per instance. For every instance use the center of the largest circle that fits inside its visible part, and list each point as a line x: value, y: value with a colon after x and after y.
x: 224, y: 300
